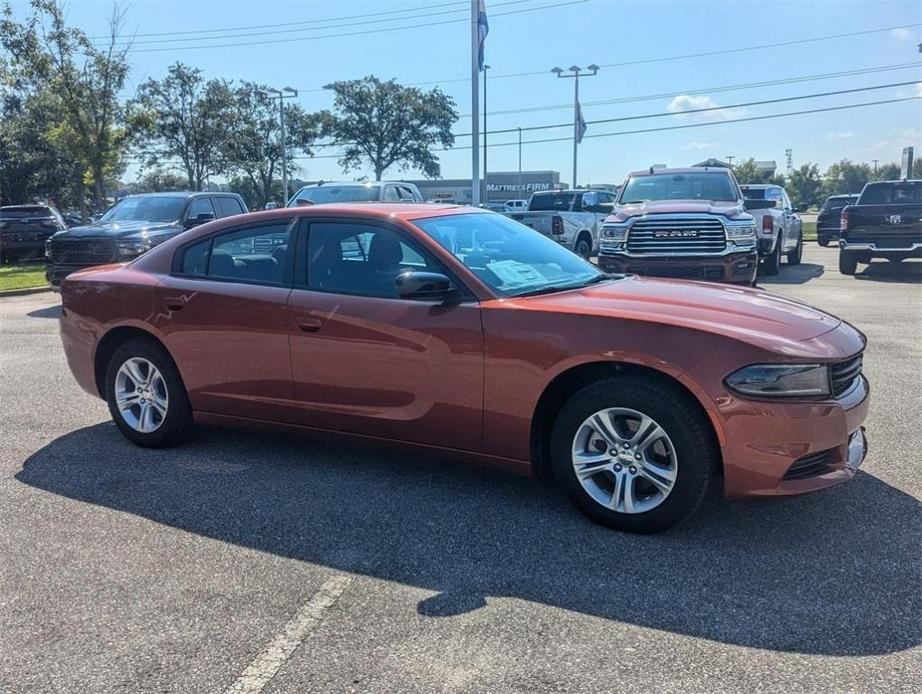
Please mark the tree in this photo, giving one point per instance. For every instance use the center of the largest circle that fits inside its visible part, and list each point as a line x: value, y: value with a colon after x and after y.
x: 157, y: 181
x: 85, y: 79
x: 390, y: 125
x: 186, y: 118
x: 846, y: 177
x: 887, y: 172
x: 747, y: 172
x: 255, y: 151
x: 804, y: 185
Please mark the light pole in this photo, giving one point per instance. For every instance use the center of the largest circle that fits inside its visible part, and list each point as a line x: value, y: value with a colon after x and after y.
x: 520, y: 159
x: 486, y: 195
x: 282, y: 94
x: 730, y: 158
x: 575, y: 71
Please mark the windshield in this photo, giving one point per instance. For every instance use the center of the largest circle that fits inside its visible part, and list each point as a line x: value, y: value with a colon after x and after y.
x: 884, y: 193
x: 837, y: 203
x: 555, y: 201
x: 146, y: 209
x: 326, y: 194
x: 509, y: 257
x: 761, y: 193
x: 715, y: 186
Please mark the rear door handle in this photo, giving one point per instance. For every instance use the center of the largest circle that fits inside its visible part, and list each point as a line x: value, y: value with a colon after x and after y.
x: 309, y: 325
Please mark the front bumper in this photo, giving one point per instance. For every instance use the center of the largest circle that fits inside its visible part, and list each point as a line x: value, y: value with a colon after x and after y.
x: 733, y: 267
x: 757, y: 461
x: 55, y: 274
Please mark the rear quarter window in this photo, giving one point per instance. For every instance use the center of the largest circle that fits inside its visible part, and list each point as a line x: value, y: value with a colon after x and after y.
x: 194, y: 259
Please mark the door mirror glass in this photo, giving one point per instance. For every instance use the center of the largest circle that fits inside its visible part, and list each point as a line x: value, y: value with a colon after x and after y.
x: 417, y: 284
x: 590, y: 200
x: 199, y: 219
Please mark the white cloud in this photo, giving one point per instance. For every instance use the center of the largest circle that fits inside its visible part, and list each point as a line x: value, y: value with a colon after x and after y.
x: 688, y: 102
x: 701, y: 146
x: 840, y: 135
x: 901, y: 33
x: 891, y: 147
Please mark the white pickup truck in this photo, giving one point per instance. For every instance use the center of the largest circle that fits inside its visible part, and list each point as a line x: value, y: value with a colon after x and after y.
x: 571, y: 217
x: 779, y: 228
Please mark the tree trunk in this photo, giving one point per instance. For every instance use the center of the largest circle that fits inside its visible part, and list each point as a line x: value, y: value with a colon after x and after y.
x: 379, y: 172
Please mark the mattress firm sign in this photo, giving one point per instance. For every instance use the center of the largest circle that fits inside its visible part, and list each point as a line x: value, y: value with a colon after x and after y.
x: 517, y: 187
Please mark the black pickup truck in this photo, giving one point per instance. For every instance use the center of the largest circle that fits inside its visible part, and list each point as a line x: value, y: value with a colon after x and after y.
x: 886, y: 222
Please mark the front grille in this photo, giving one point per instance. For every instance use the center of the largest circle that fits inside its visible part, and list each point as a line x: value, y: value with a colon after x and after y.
x: 809, y: 465
x: 844, y: 374
x: 688, y: 272
x: 664, y: 235
x: 81, y: 251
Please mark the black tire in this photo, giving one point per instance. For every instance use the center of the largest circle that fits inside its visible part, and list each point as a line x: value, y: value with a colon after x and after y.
x: 771, y: 266
x: 177, y: 421
x: 697, y: 455
x: 794, y: 257
x: 583, y: 247
x: 848, y: 263
x: 823, y: 241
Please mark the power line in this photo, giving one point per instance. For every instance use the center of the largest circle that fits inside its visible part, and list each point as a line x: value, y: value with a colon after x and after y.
x: 707, y: 90
x: 357, y: 33
x: 251, y: 34
x: 644, y: 61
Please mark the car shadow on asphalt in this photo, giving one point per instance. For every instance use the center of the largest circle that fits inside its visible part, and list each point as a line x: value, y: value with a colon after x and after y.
x: 834, y: 573
x: 909, y: 272
x: 47, y: 312
x: 793, y: 274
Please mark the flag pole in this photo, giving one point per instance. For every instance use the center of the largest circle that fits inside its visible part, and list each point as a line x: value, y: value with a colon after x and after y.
x: 475, y: 103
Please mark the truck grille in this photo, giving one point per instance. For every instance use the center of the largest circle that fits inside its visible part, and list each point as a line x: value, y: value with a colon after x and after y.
x: 844, y: 374
x: 662, y: 235
x: 81, y: 251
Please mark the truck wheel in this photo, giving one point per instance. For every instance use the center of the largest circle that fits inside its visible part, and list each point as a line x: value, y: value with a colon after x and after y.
x: 146, y: 396
x: 633, y: 454
x: 823, y: 241
x: 583, y: 247
x: 772, y: 263
x: 848, y: 263
x: 795, y: 256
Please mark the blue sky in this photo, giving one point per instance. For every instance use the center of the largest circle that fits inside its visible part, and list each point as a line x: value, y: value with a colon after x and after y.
x: 594, y: 31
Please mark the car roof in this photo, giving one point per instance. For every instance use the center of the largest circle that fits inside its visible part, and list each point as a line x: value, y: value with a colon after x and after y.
x: 356, y: 184
x: 181, y: 194
x: 375, y: 210
x: 26, y: 207
x: 680, y: 170
x: 759, y: 185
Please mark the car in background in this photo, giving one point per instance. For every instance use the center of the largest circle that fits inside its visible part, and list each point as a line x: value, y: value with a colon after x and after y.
x: 24, y: 229
x: 516, y: 205
x: 689, y: 223
x: 493, y: 206
x: 459, y: 330
x: 571, y: 217
x: 132, y: 226
x: 326, y: 192
x: 828, y: 219
x: 886, y: 222
x: 778, y: 226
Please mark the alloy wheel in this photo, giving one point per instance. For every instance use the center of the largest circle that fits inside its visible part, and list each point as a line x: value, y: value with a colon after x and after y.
x: 141, y: 395
x: 624, y: 460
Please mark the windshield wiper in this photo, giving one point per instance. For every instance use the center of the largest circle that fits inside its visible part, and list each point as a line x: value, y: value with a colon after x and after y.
x: 604, y: 277
x: 551, y: 288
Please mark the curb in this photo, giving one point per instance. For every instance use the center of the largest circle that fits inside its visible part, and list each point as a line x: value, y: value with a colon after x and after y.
x: 23, y: 292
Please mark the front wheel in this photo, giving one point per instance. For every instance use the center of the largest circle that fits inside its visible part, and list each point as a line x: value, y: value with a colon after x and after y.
x: 848, y: 263
x: 146, y: 396
x: 633, y: 453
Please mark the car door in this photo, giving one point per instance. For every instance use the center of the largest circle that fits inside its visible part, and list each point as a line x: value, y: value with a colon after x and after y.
x: 367, y: 362
x: 223, y: 312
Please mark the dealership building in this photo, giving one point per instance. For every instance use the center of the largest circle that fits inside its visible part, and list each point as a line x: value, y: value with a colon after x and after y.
x: 501, y: 186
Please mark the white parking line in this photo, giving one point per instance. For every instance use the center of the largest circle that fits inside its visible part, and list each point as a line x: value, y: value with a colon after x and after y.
x: 264, y: 666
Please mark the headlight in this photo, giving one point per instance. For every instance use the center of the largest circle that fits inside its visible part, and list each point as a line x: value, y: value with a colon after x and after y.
x: 781, y: 380
x: 132, y: 248
x: 615, y: 232
x: 741, y: 230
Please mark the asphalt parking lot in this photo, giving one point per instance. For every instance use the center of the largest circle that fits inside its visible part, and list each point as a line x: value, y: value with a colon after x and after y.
x: 244, y: 560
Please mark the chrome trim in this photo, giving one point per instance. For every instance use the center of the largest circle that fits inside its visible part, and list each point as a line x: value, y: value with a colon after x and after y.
x: 846, y: 246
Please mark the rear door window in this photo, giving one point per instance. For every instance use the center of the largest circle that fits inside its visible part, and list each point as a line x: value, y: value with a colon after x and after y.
x: 227, y: 206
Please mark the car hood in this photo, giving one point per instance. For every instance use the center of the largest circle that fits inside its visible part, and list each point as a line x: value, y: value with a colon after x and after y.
x: 676, y: 207
x: 119, y: 229
x: 756, y: 316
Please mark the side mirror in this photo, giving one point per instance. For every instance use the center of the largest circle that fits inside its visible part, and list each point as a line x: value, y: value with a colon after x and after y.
x: 432, y: 286
x: 271, y: 206
x: 590, y: 200
x: 201, y: 219
x: 760, y: 204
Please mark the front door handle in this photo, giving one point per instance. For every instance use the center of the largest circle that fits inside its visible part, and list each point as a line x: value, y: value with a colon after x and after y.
x: 309, y: 325
x: 174, y: 303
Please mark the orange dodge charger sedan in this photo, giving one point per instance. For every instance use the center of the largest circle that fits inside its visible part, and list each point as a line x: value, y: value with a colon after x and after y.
x: 454, y: 329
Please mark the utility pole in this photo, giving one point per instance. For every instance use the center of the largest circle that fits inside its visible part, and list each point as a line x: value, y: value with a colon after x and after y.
x: 486, y: 194
x: 730, y: 158
x: 282, y: 94
x: 789, y: 157
x: 520, y: 159
x: 475, y: 107
x: 575, y: 71
x: 875, y: 164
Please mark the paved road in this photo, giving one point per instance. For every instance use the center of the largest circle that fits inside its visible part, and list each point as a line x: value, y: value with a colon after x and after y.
x: 248, y: 560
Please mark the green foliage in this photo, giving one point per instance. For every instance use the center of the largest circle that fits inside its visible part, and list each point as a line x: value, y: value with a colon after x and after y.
x: 846, y: 177
x: 390, y: 125
x: 184, y: 118
x: 158, y: 181
x: 804, y: 186
x: 747, y: 172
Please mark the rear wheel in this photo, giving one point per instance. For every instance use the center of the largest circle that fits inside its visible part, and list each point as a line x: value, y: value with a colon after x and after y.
x: 822, y: 240
x: 583, y: 247
x: 796, y: 255
x: 848, y: 263
x: 633, y: 454
x: 772, y: 263
x: 146, y: 396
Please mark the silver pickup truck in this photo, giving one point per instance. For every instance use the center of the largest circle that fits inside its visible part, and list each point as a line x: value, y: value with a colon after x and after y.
x: 570, y: 217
